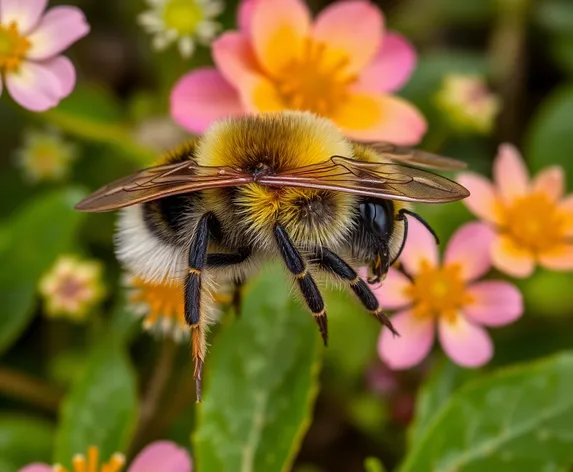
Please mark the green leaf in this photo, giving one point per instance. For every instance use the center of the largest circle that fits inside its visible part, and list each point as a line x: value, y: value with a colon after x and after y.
x: 514, y: 419
x: 444, y: 379
x: 90, y: 113
x: 550, y: 136
x: 24, y: 439
x: 261, y: 383
x: 373, y: 464
x: 31, y: 241
x: 101, y: 408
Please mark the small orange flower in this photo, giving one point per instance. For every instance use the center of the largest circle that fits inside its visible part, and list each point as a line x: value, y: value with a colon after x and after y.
x: 533, y: 219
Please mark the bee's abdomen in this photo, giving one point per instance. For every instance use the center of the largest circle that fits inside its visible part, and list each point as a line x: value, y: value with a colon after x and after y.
x: 167, y: 218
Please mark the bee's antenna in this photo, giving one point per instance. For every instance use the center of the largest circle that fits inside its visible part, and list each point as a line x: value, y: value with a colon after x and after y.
x: 402, y: 217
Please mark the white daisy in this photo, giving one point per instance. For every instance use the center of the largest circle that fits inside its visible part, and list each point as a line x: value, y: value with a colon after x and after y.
x: 181, y: 21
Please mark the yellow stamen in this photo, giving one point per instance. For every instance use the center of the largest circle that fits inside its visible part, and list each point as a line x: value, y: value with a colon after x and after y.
x: 317, y: 81
x: 91, y: 464
x: 535, y: 223
x: 13, y: 47
x: 438, y: 291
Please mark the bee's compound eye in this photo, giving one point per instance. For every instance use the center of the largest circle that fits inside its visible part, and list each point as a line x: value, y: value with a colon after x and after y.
x: 376, y: 217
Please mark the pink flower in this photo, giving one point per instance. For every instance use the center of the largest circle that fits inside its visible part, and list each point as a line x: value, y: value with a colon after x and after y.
x: 161, y: 456
x: 343, y: 66
x: 35, y: 73
x: 532, y: 218
x: 445, y: 294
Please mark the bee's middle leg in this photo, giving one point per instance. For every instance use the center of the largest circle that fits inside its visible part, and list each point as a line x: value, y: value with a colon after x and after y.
x: 296, y: 265
x: 334, y: 264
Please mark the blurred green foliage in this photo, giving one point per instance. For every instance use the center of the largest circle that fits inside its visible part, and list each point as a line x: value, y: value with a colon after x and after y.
x: 274, y: 398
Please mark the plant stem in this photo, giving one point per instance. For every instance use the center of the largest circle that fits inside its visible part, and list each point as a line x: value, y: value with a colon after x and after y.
x: 24, y: 387
x: 155, y: 390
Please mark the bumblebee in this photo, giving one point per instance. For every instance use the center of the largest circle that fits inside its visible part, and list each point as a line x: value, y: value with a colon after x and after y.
x: 284, y: 185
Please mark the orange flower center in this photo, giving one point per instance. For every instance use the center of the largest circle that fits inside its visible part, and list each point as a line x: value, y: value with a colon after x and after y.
x: 13, y: 47
x: 315, y: 82
x: 535, y: 222
x: 438, y: 291
x: 164, y: 302
x: 91, y: 463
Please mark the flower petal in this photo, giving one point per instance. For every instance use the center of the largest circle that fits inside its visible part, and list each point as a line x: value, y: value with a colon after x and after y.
x: 495, y: 303
x: 559, y: 258
x: 278, y: 32
x: 566, y: 208
x: 34, y: 86
x: 36, y: 467
x: 413, y: 344
x: 466, y: 344
x: 164, y: 456
x: 201, y: 97
x: 65, y: 72
x: 391, y: 294
x: 483, y: 201
x: 59, y: 28
x: 26, y: 14
x: 420, y: 247
x: 391, y: 67
x: 245, y: 14
x: 510, y: 258
x: 258, y: 94
x: 371, y: 117
x: 336, y: 27
x: 551, y: 182
x: 470, y: 247
x: 235, y: 58
x: 510, y: 174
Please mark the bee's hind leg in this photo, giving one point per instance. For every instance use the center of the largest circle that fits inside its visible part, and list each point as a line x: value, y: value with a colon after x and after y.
x: 296, y: 265
x: 331, y: 262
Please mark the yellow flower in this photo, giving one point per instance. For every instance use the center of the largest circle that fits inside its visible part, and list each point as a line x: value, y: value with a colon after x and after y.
x: 467, y: 103
x: 72, y: 287
x: 45, y: 155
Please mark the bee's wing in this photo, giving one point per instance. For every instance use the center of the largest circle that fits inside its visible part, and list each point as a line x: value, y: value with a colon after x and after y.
x: 161, y: 181
x: 414, y: 157
x: 389, y: 181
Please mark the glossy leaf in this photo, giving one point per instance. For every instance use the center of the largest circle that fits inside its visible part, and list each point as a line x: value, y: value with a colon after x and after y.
x: 444, y: 379
x: 30, y: 243
x: 24, y: 439
x: 261, y: 382
x: 373, y: 464
x: 513, y: 419
x: 101, y: 407
x: 550, y: 136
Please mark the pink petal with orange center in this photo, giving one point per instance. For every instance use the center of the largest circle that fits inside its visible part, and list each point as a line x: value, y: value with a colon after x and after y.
x: 258, y: 94
x: 470, y: 248
x: 62, y: 68
x: 483, y: 201
x: 244, y: 15
x: 164, y: 456
x: 391, y: 294
x: 371, y: 117
x: 26, y: 14
x: 551, y: 182
x: 352, y: 32
x: 391, y: 67
x: 559, y: 258
x: 59, y: 28
x: 566, y: 208
x: 36, y: 468
x: 510, y: 258
x: 510, y: 173
x: 466, y: 344
x: 235, y: 58
x: 38, y: 86
x: 201, y: 97
x: 278, y: 32
x: 420, y: 248
x: 413, y: 344
x: 495, y: 303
